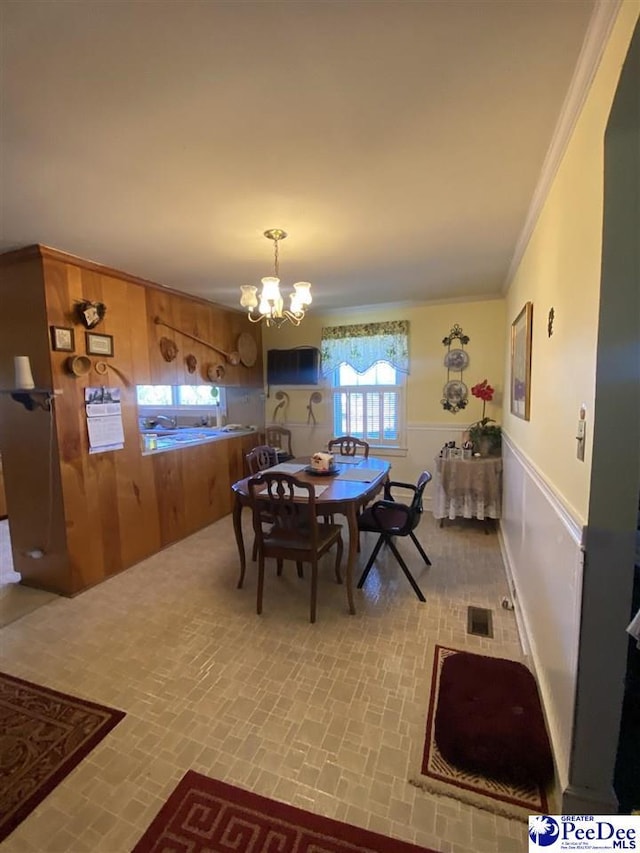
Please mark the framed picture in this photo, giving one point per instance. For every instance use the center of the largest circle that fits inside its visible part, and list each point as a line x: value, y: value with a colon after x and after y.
x: 521, y: 331
x: 99, y: 344
x: 62, y: 339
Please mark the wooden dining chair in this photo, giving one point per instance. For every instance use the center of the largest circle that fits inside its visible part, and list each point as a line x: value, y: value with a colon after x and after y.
x: 389, y: 518
x: 280, y: 438
x: 349, y: 445
x: 259, y: 458
x: 295, y: 533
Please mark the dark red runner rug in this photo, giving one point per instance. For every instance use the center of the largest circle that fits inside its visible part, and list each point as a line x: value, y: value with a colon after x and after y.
x: 203, y: 814
x: 44, y: 735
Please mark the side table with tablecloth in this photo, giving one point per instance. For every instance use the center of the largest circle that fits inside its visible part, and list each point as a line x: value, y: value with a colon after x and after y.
x: 470, y: 488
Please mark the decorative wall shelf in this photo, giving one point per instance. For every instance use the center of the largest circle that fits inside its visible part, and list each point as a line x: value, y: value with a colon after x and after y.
x: 32, y: 398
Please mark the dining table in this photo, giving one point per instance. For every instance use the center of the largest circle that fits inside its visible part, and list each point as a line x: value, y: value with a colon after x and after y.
x: 351, y: 484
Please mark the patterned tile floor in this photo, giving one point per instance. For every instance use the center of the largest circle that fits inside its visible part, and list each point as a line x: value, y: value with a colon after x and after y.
x: 321, y: 716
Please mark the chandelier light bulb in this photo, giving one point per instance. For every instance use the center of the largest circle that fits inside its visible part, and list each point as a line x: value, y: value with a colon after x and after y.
x: 270, y: 289
x: 248, y: 298
x: 302, y: 292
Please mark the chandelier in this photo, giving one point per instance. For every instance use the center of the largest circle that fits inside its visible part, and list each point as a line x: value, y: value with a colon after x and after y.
x: 268, y: 305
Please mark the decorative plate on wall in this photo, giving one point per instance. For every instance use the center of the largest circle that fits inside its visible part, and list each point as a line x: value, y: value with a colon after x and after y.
x: 168, y: 348
x: 455, y: 392
x: 215, y: 372
x: 247, y: 349
x: 456, y: 359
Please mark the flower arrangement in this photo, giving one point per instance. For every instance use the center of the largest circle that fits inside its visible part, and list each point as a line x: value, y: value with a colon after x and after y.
x: 485, y: 392
x: 485, y: 434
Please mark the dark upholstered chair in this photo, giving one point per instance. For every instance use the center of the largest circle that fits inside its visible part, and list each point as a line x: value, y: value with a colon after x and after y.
x: 280, y: 438
x: 390, y: 518
x: 349, y: 445
x: 295, y: 532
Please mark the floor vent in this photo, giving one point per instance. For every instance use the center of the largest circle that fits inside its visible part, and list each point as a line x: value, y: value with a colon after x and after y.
x: 479, y: 622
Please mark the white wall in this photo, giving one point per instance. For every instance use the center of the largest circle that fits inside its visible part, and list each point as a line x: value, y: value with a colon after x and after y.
x: 547, y: 488
x: 541, y: 546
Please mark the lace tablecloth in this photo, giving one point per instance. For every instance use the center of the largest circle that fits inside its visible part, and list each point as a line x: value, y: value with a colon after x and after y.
x: 471, y: 488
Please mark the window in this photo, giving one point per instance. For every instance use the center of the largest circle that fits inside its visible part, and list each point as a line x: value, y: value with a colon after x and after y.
x: 368, y: 405
x: 367, y: 364
x: 178, y: 395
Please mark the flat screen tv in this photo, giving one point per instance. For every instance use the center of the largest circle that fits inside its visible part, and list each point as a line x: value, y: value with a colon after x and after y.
x: 298, y: 366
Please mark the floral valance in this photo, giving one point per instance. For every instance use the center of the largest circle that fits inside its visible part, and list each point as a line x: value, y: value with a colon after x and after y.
x: 364, y: 344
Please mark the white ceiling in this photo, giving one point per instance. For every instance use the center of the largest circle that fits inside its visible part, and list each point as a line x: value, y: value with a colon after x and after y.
x: 399, y: 142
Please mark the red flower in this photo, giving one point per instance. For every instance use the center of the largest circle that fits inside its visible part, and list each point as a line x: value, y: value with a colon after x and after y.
x: 483, y: 391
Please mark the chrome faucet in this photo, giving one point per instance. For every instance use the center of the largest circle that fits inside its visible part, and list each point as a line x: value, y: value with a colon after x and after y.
x: 163, y: 420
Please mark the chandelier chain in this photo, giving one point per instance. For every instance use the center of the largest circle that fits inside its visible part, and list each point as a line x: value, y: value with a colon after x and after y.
x: 276, y: 263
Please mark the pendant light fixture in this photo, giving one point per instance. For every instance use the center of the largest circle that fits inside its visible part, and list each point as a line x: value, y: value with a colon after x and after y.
x: 268, y: 304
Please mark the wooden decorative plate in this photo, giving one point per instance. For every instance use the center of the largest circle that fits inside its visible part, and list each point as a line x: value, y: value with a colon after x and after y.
x: 215, y: 372
x: 248, y: 349
x: 168, y: 348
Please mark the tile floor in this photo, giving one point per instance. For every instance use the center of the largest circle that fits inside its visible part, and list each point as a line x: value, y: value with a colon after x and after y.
x: 323, y: 716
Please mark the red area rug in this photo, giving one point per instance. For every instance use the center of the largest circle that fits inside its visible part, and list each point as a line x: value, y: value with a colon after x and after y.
x: 512, y: 797
x: 203, y: 815
x: 43, y: 736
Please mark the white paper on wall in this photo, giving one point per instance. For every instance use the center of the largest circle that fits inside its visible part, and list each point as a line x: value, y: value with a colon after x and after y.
x: 104, y: 419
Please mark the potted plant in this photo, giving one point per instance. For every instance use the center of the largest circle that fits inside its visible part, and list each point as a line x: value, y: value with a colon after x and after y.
x: 485, y: 434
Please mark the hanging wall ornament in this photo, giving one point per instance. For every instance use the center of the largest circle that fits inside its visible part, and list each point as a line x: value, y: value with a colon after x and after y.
x: 284, y: 402
x: 456, y: 360
x: 89, y: 313
x: 168, y: 348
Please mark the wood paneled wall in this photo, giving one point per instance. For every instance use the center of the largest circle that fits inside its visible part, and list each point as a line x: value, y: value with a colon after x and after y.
x: 94, y: 515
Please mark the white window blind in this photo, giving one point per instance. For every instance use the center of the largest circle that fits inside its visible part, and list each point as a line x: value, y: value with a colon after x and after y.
x: 368, y: 413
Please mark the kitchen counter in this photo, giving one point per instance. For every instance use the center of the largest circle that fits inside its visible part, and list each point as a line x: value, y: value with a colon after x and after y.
x: 174, y: 439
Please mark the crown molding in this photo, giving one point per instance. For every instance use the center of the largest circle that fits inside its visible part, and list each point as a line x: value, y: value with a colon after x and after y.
x: 597, y: 35
x: 48, y: 253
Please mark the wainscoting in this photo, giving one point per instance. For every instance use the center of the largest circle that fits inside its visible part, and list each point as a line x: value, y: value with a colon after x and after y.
x: 541, y: 547
x: 424, y: 442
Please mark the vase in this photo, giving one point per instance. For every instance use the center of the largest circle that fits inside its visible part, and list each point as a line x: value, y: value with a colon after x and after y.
x: 485, y: 446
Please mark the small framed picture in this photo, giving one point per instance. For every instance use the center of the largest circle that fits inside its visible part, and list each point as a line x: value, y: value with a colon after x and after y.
x: 99, y: 344
x: 62, y: 339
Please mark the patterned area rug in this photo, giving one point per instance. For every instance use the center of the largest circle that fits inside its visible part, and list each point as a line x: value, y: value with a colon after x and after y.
x: 43, y: 736
x: 203, y: 814
x: 438, y: 776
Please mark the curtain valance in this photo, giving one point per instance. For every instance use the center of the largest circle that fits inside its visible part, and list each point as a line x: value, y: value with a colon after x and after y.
x: 364, y: 344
